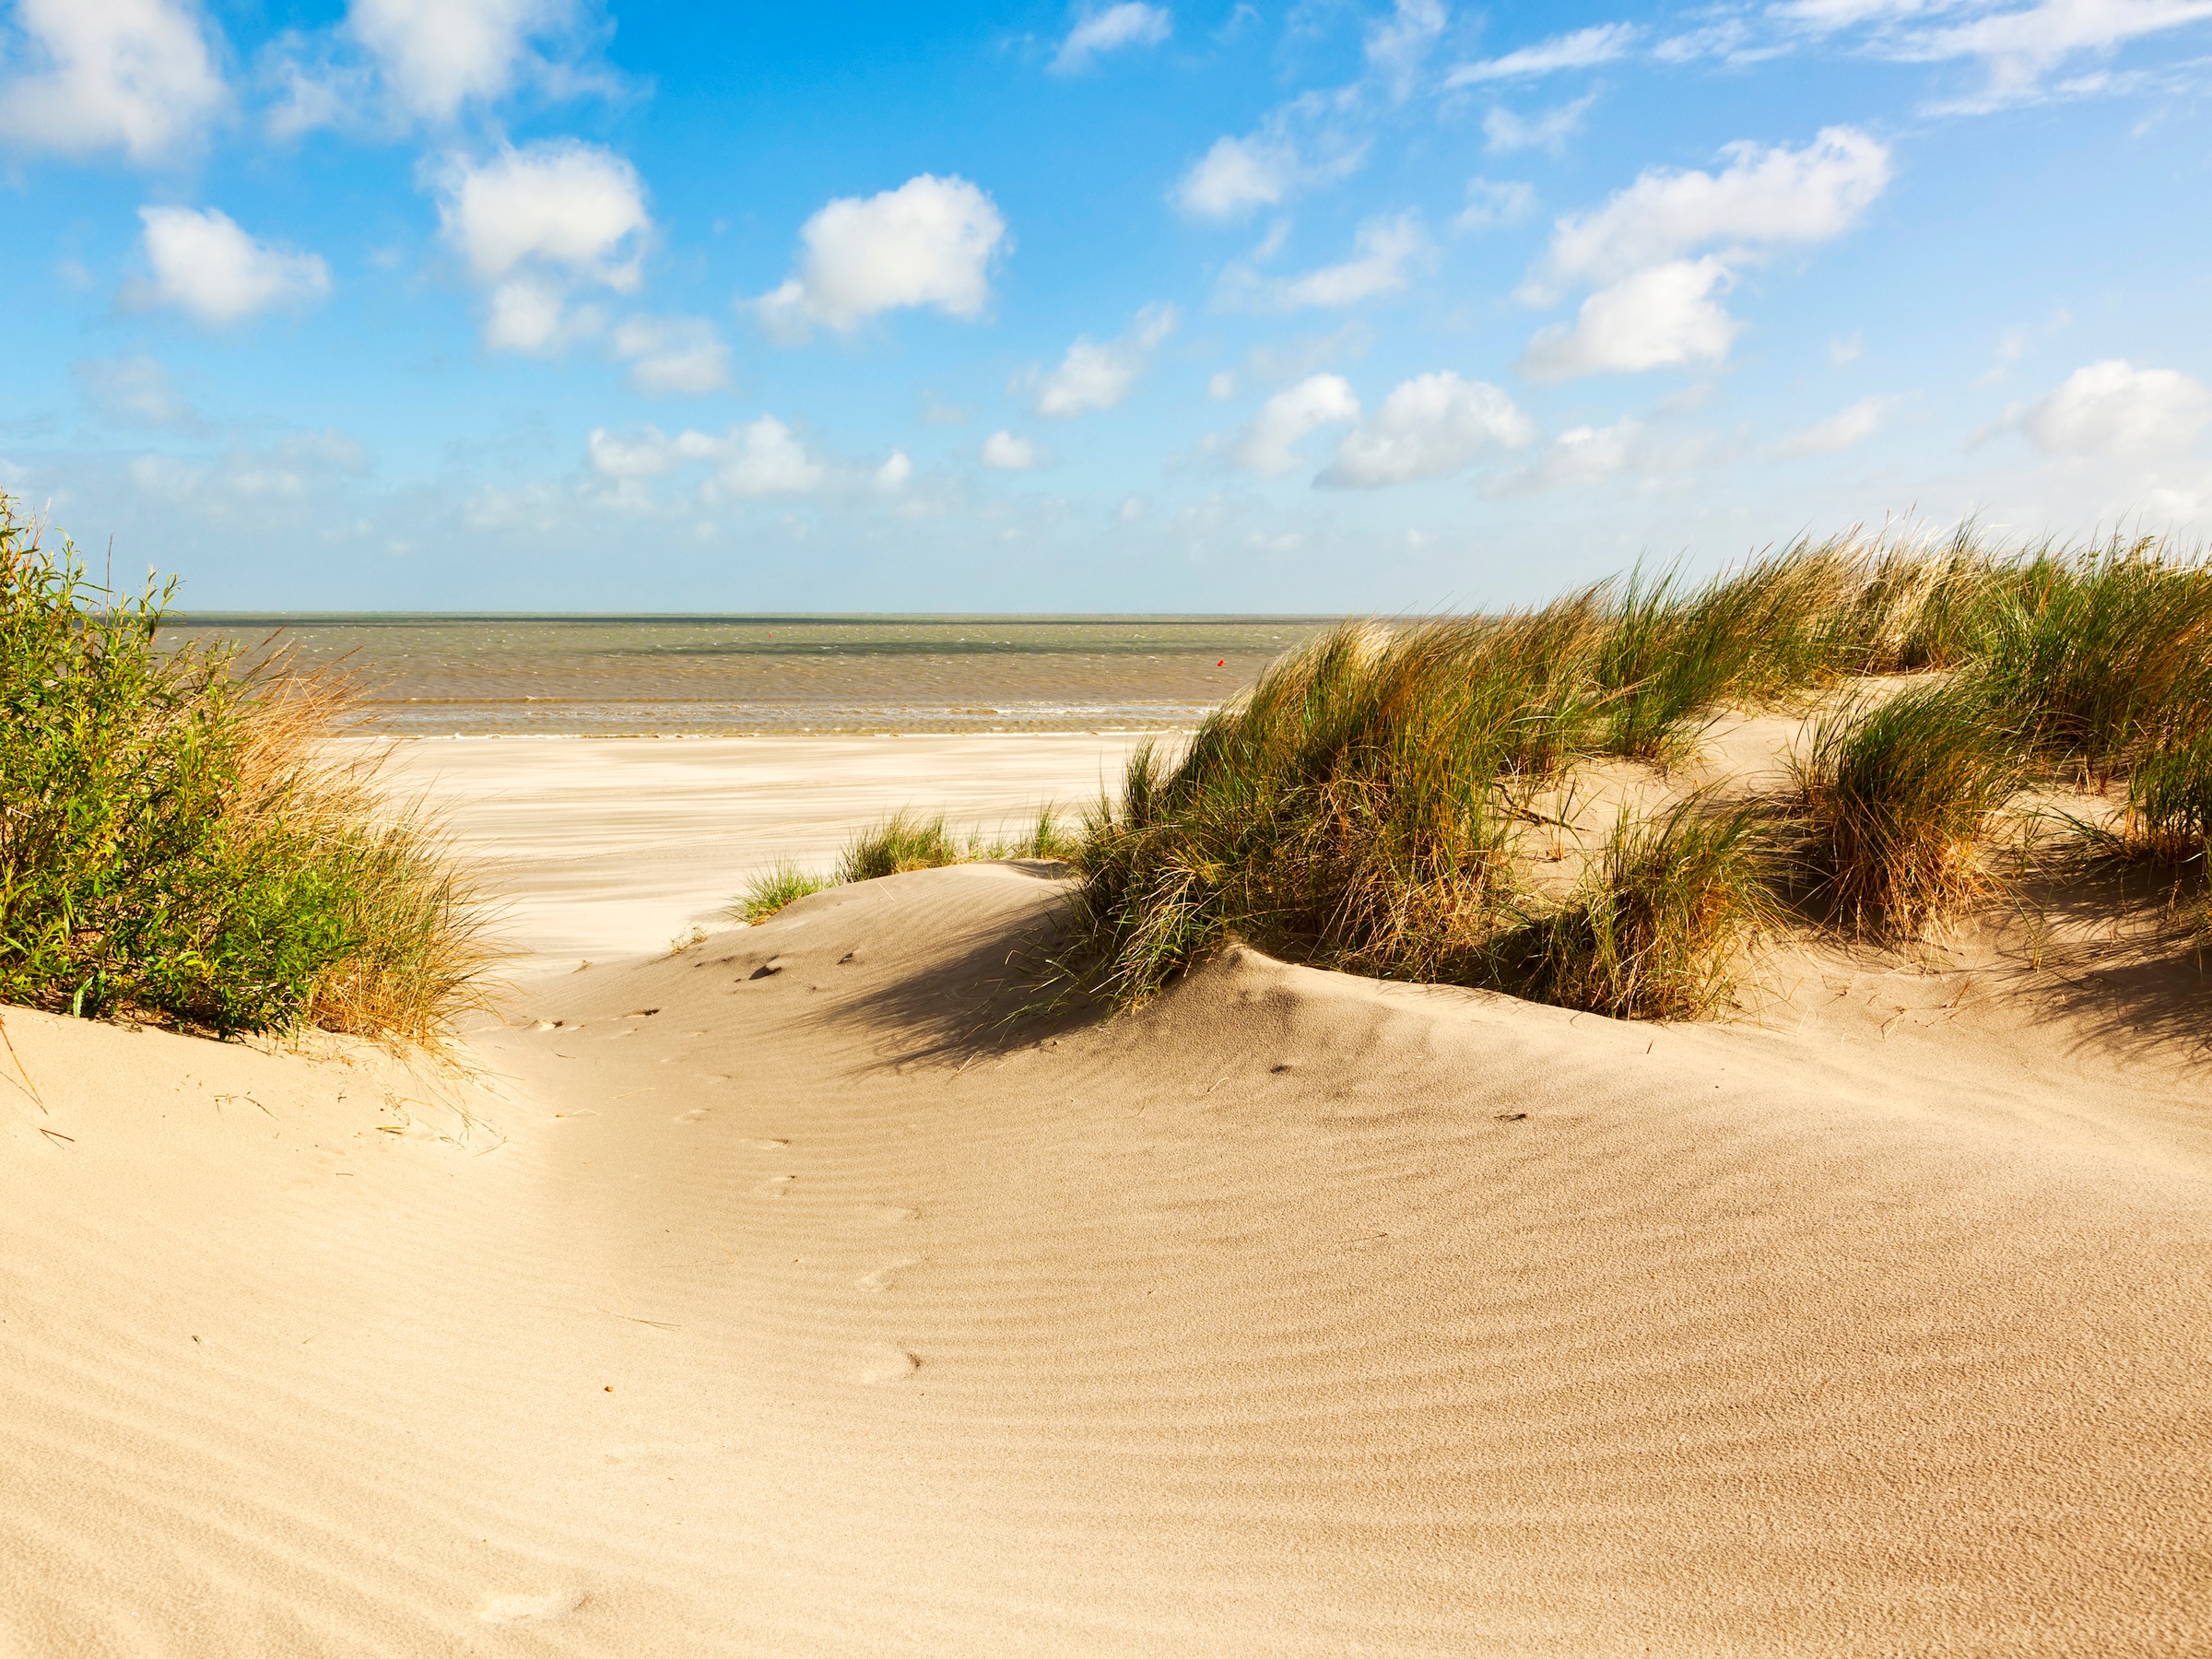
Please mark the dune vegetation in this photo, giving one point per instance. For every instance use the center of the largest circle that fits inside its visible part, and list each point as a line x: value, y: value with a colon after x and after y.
x: 176, y: 844
x: 1362, y: 808
x: 903, y: 842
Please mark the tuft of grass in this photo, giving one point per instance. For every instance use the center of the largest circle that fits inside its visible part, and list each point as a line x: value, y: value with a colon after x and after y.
x: 175, y: 844
x: 901, y: 842
x: 1889, y: 805
x: 1655, y: 927
x: 780, y: 884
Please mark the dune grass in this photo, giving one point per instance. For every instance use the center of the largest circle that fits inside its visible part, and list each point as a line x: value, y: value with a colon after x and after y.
x: 1890, y: 804
x: 1658, y: 923
x: 1358, y: 807
x: 175, y: 846
x: 903, y: 842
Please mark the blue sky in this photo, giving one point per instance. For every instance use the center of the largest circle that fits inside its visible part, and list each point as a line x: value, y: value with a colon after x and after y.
x: 529, y: 304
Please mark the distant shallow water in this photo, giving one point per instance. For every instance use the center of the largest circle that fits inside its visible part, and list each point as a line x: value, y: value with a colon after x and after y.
x: 497, y: 676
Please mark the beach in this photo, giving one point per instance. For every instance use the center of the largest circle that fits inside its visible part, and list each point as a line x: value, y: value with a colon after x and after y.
x: 769, y: 1295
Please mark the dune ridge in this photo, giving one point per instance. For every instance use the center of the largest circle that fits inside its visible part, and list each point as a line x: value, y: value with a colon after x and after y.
x: 1295, y: 1313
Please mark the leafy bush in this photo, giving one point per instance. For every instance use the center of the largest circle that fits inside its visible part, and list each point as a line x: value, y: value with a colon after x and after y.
x: 172, y: 844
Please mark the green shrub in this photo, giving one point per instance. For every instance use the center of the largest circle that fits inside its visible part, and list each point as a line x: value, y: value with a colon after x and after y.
x: 172, y: 846
x: 1890, y: 804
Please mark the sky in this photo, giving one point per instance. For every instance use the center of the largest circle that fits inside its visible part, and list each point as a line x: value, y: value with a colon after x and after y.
x: 545, y: 305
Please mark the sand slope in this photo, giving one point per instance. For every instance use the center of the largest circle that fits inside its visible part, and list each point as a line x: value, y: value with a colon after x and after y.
x: 1295, y: 1315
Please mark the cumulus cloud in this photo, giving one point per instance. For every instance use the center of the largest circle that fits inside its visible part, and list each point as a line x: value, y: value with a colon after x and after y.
x: 1003, y: 451
x: 399, y: 62
x: 1114, y: 28
x: 761, y: 458
x: 1268, y: 445
x: 1096, y: 376
x: 897, y: 469
x: 1662, y: 318
x: 1763, y: 197
x: 1585, y: 49
x: 534, y: 224
x: 1505, y: 133
x: 1429, y: 427
x: 1384, y: 252
x: 1657, y: 309
x: 670, y: 356
x: 2111, y: 407
x: 203, y: 264
x: 134, y: 76
x: 928, y: 243
x: 1847, y: 428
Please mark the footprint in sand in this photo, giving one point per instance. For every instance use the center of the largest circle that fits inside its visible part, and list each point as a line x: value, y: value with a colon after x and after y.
x: 881, y: 1279
x: 884, y: 1362
x: 691, y: 1116
x: 514, y: 1609
x: 775, y: 1186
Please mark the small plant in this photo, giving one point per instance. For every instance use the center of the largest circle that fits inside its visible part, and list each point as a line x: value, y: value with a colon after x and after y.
x: 902, y: 843
x: 780, y: 884
x: 1655, y: 927
x: 1888, y: 807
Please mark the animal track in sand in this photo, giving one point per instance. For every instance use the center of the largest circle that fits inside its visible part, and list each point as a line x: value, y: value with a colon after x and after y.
x: 881, y: 1279
x: 514, y: 1609
x: 884, y: 1362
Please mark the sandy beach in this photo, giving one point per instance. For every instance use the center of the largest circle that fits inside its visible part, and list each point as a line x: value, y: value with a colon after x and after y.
x: 761, y: 1298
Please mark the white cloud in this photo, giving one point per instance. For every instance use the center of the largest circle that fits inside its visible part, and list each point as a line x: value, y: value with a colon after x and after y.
x: 205, y: 267
x: 135, y: 389
x: 1003, y: 451
x: 2111, y: 407
x: 1095, y: 376
x: 929, y: 242
x: 1382, y: 252
x: 1267, y: 445
x: 897, y: 469
x: 1237, y: 175
x: 1427, y: 427
x: 1505, y: 133
x: 2021, y: 47
x: 1660, y: 318
x: 673, y: 355
x: 1585, y: 49
x: 136, y: 76
x: 537, y: 222
x: 759, y: 457
x: 1763, y: 196
x: 1306, y: 142
x: 1112, y: 29
x: 1844, y: 429
x: 1397, y: 46
x: 399, y: 62
x: 437, y: 55
x: 1581, y: 456
x: 1493, y: 202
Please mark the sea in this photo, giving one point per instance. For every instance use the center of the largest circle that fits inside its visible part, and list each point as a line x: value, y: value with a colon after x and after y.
x: 676, y: 675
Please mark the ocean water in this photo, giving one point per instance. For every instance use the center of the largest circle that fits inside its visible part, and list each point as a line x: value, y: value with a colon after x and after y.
x: 495, y: 675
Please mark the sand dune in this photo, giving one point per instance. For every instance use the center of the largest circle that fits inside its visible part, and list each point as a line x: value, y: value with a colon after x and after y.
x: 1296, y: 1315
